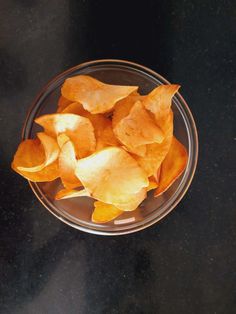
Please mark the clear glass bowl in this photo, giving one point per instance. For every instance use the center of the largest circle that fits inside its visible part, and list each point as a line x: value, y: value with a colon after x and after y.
x: 76, y: 212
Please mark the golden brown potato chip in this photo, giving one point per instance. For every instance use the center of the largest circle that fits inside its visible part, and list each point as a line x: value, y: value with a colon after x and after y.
x: 173, y: 165
x: 104, y: 212
x: 67, y: 164
x: 156, y: 152
x: 68, y: 193
x: 78, y: 129
x: 30, y: 154
x: 49, y: 149
x: 104, y: 174
x: 138, y: 128
x: 95, y: 96
x: 159, y: 100
x: 62, y: 104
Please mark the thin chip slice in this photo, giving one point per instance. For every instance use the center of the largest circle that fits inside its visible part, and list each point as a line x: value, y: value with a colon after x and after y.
x: 67, y: 164
x: 102, y: 126
x: 62, y: 104
x: 48, y: 148
x: 69, y: 193
x: 78, y: 129
x: 138, y: 129
x: 104, y: 212
x: 104, y: 174
x: 30, y: 154
x: 159, y: 100
x: 156, y: 152
x: 95, y: 96
x: 173, y: 166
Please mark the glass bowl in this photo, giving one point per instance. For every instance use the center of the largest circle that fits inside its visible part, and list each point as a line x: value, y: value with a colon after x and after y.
x: 76, y: 212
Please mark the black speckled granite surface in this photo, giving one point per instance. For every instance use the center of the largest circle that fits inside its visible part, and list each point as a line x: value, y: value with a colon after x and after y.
x: 187, y: 262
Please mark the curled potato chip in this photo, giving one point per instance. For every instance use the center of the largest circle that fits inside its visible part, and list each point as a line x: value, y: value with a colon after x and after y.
x: 138, y: 128
x: 62, y: 104
x: 156, y: 152
x: 173, y: 165
x: 159, y: 100
x: 67, y: 164
x: 30, y: 153
x: 78, y: 129
x: 104, y: 174
x: 49, y: 149
x: 104, y: 212
x: 69, y: 193
x: 95, y: 96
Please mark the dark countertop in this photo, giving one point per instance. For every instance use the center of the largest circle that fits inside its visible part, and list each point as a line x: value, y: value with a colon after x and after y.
x: 184, y: 264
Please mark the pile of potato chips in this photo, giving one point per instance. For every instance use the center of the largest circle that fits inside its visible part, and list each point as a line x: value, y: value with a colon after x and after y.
x: 107, y: 142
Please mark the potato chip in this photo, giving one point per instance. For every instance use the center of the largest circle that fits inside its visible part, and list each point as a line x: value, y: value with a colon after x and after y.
x: 62, y: 104
x: 50, y: 151
x: 138, y: 129
x: 104, y: 174
x: 104, y: 212
x: 69, y: 193
x: 95, y: 96
x: 78, y: 129
x: 67, y: 164
x: 156, y: 152
x: 30, y: 153
x: 173, y: 165
x: 159, y: 100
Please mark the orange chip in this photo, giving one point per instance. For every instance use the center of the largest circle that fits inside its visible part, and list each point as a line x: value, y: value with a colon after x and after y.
x: 68, y: 193
x: 104, y: 212
x: 104, y: 174
x: 50, y: 151
x: 62, y: 104
x: 67, y: 164
x: 30, y: 153
x: 78, y: 129
x: 138, y: 128
x: 95, y: 96
x: 156, y: 152
x: 173, y: 165
x: 159, y: 100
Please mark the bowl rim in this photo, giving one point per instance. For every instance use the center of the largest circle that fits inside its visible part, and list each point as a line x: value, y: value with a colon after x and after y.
x: 183, y: 105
